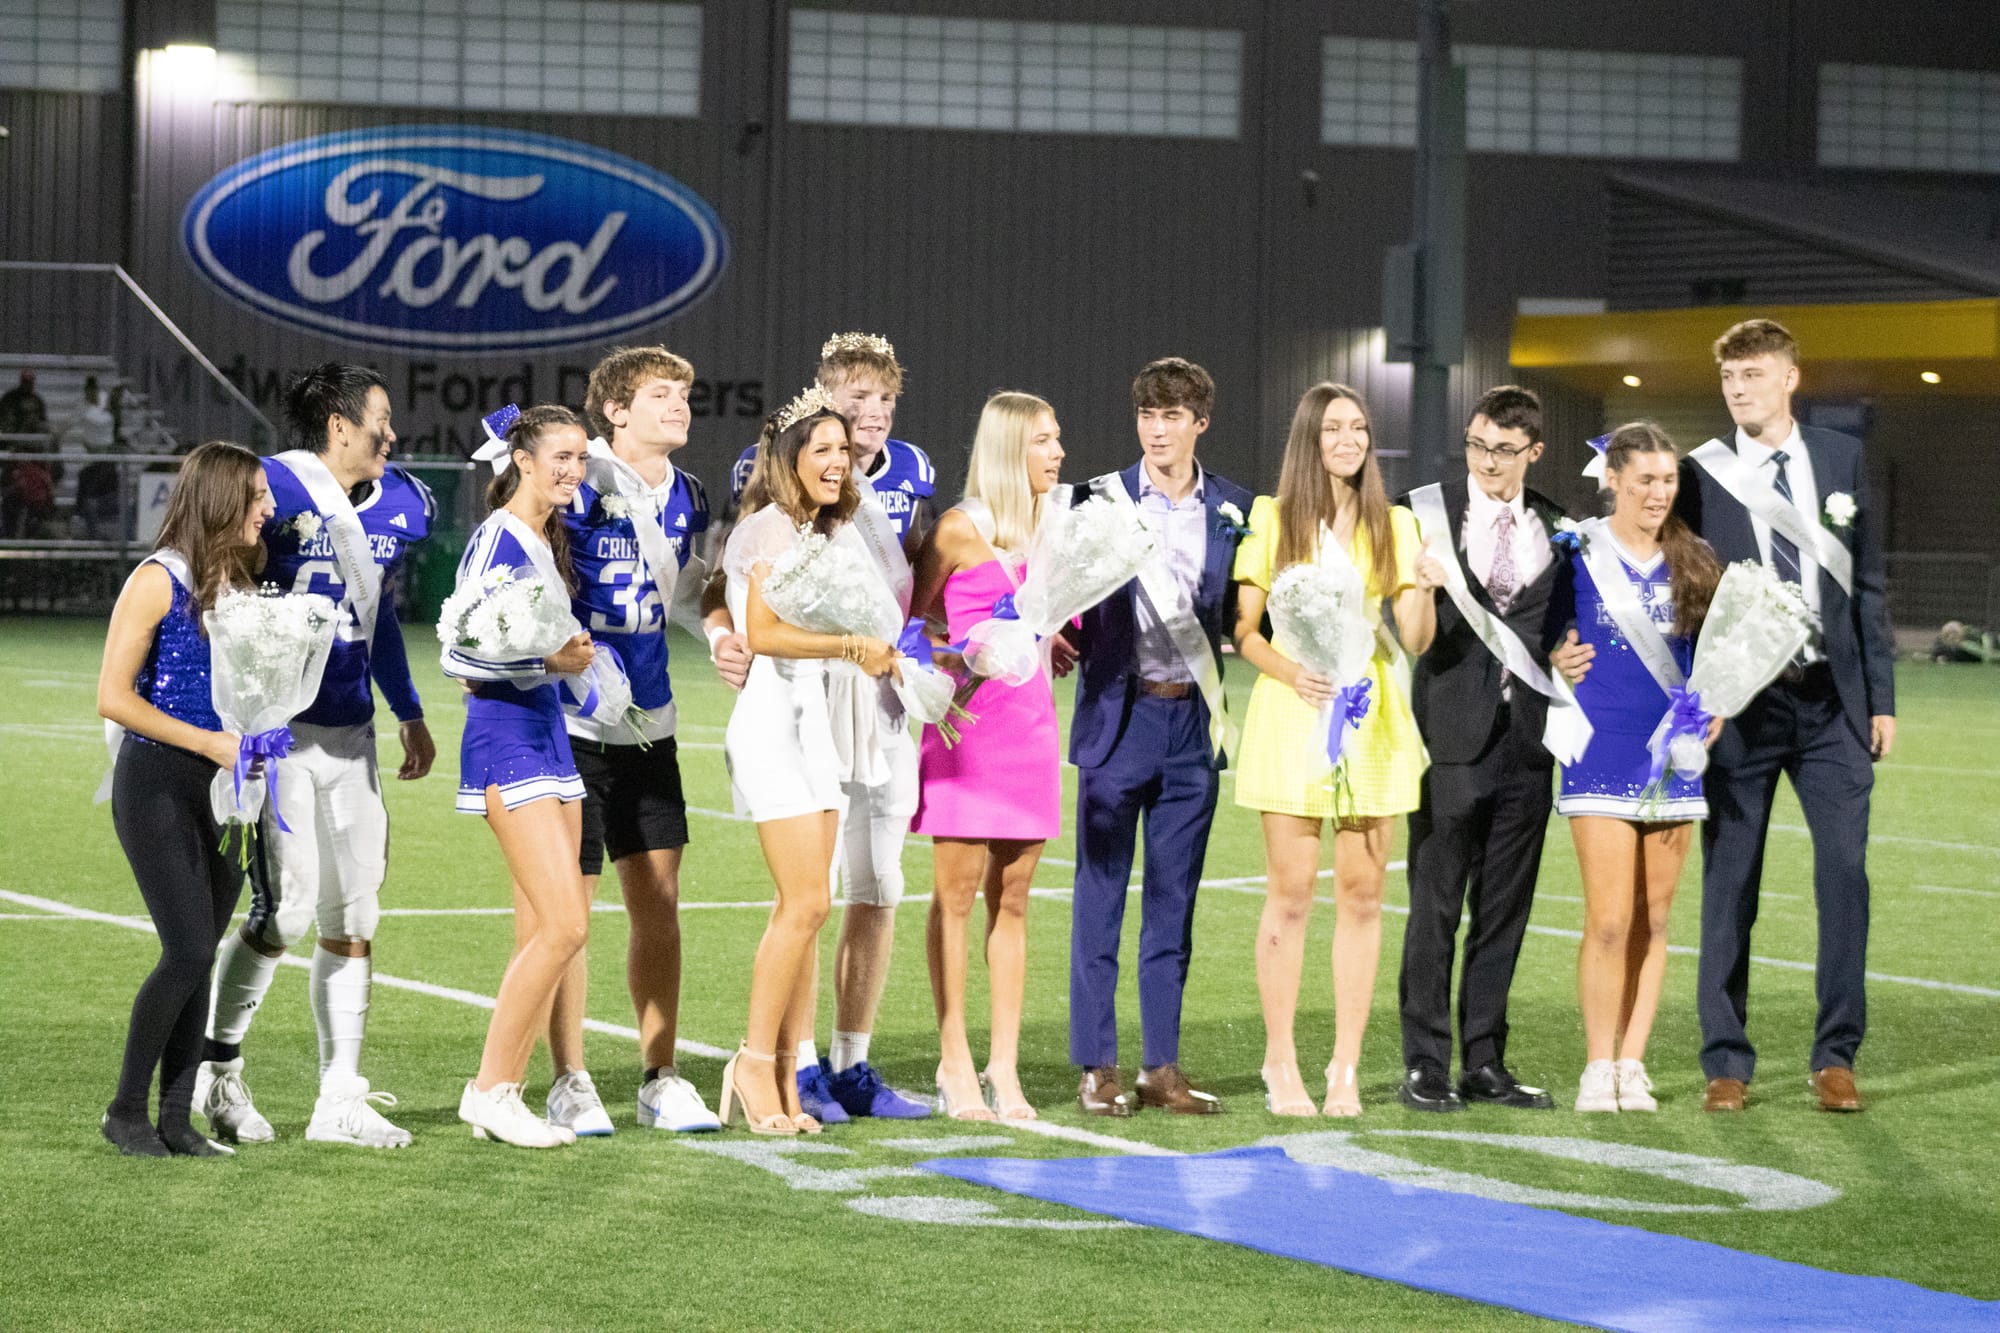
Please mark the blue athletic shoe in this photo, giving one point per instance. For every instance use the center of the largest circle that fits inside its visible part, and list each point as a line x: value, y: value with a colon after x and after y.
x: 860, y: 1092
x: 816, y: 1098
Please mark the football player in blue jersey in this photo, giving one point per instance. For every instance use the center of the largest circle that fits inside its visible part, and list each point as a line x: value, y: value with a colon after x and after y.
x: 632, y: 528
x: 345, y: 518
x: 862, y: 374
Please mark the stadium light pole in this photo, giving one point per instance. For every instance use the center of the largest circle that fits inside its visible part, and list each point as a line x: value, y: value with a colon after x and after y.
x: 1423, y: 283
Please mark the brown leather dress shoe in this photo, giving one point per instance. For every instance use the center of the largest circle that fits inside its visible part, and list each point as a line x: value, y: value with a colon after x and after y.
x: 1166, y: 1086
x: 1835, y: 1089
x: 1099, y: 1093
x: 1724, y: 1094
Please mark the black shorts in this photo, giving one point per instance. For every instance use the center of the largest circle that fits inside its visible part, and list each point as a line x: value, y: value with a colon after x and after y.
x: 632, y: 800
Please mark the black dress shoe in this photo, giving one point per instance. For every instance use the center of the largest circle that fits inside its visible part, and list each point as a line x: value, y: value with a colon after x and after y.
x: 1425, y: 1088
x: 1493, y: 1085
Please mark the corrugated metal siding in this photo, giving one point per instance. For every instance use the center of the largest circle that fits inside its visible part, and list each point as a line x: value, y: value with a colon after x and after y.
x: 1663, y: 257
x: 62, y: 176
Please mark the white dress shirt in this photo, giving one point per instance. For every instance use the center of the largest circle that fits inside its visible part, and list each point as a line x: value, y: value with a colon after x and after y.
x: 1181, y: 528
x: 1481, y: 534
x: 1757, y: 456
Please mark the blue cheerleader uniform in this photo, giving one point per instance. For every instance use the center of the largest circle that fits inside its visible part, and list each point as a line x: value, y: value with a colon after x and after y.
x: 514, y: 737
x: 1622, y: 700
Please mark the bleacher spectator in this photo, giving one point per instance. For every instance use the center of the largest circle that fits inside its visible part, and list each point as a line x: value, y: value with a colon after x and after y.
x: 27, y: 490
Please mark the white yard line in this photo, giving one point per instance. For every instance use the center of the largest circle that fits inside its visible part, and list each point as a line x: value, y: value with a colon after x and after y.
x: 1941, y: 888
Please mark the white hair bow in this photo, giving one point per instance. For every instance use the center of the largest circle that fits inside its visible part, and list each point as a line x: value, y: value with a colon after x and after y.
x: 1594, y: 469
x: 496, y: 450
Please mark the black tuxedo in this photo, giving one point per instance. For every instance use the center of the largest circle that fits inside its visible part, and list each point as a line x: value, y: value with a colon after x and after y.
x: 1815, y: 730
x: 1485, y: 811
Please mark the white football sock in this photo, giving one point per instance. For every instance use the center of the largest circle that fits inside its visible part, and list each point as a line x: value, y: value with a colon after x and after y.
x: 849, y: 1049
x: 242, y: 978
x: 808, y: 1054
x: 339, y: 990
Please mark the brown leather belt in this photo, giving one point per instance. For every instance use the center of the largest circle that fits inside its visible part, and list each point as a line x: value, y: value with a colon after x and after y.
x: 1165, y: 689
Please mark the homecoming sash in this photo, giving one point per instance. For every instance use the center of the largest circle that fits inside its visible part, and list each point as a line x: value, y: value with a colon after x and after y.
x: 656, y: 558
x: 114, y: 735
x: 1614, y: 589
x: 351, y: 550
x: 1567, y: 732
x: 1761, y: 499
x: 1176, y: 613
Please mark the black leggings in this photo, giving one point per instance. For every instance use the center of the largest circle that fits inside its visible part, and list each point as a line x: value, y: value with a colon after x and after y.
x: 159, y: 805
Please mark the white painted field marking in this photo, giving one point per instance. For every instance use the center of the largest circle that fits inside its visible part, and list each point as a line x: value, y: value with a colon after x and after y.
x: 1989, y: 848
x: 1941, y: 888
x: 472, y: 998
x: 1939, y: 768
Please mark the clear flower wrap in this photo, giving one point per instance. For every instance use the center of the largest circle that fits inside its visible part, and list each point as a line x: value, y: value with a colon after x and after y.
x: 1756, y: 624
x: 1080, y: 556
x: 267, y: 653
x: 831, y: 586
x: 511, y: 615
x: 1325, y: 621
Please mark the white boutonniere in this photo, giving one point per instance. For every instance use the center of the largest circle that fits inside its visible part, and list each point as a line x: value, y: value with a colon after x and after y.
x: 616, y: 506
x: 1232, y: 520
x: 307, y: 525
x: 1840, y: 509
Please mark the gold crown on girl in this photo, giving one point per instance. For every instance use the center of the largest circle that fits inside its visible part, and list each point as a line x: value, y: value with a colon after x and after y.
x: 814, y: 399
x: 857, y: 342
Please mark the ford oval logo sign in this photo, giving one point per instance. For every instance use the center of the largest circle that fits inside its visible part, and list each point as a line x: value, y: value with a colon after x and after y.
x: 455, y: 239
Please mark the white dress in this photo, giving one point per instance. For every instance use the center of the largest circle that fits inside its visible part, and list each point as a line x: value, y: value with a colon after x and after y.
x: 779, y: 745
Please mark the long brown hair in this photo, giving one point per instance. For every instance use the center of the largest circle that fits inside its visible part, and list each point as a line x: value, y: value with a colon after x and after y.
x: 775, y: 478
x: 526, y: 435
x: 1306, y: 498
x: 204, y: 520
x: 1692, y: 568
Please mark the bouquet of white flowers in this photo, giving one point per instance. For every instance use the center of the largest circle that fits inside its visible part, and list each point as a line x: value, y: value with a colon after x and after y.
x: 1080, y: 556
x: 508, y: 615
x: 1756, y: 623
x: 1324, y: 621
x: 830, y: 586
x: 267, y: 653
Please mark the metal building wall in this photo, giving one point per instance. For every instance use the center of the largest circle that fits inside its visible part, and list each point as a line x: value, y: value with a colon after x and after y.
x: 1055, y: 263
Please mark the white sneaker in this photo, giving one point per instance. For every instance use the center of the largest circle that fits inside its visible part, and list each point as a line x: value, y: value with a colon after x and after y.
x: 221, y: 1097
x: 498, y: 1113
x: 1635, y: 1090
x: 1598, y: 1089
x: 671, y: 1102
x: 574, y: 1105
x: 343, y: 1115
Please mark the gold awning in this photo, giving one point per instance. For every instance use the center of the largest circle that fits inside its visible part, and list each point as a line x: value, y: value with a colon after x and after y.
x: 1868, y: 349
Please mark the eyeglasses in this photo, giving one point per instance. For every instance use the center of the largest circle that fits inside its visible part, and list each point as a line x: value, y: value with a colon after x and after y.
x: 1502, y: 455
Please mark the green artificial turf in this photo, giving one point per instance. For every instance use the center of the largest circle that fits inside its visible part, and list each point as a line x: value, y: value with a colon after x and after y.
x: 650, y: 1229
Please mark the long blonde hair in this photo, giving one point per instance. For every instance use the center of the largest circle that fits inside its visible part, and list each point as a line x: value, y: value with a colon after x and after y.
x: 998, y: 472
x: 1305, y: 492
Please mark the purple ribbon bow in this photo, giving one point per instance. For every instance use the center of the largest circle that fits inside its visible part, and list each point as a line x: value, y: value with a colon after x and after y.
x: 915, y: 644
x: 270, y: 746
x: 587, y: 705
x: 1350, y: 705
x: 500, y: 422
x: 1685, y: 717
x: 1003, y: 609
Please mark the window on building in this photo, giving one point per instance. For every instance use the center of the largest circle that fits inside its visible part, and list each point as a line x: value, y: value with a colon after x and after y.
x: 1916, y: 119
x: 621, y: 57
x: 63, y: 46
x: 1073, y: 78
x: 1552, y: 103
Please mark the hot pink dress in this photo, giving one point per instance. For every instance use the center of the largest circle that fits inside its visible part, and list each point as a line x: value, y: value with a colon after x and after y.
x: 1004, y: 777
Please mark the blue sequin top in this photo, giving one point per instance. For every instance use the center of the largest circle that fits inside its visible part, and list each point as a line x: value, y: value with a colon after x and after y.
x: 175, y: 678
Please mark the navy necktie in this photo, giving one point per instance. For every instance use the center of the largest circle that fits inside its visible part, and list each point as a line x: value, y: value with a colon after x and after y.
x: 1784, y: 552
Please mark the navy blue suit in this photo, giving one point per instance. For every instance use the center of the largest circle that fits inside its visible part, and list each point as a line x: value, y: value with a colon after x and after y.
x: 1815, y: 730
x: 1142, y: 757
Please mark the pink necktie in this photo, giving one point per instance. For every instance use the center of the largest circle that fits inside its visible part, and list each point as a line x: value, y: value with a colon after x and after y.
x: 1501, y: 581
